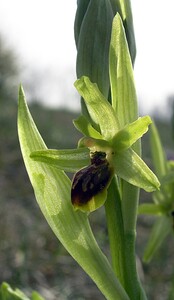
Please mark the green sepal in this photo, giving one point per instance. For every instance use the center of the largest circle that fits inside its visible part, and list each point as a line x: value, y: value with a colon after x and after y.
x: 69, y: 160
x: 160, y: 230
x: 86, y: 128
x: 127, y: 136
x: 52, y: 190
x: 99, y: 108
x: 130, y: 167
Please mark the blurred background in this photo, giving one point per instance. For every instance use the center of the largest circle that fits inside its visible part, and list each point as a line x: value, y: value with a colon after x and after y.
x: 37, y: 49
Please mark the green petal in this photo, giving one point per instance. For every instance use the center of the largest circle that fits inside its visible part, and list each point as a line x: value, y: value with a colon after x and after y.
x: 52, y: 190
x: 126, y: 137
x: 69, y: 160
x: 161, y: 229
x: 124, y: 99
x: 86, y: 128
x: 99, y: 108
x: 130, y: 167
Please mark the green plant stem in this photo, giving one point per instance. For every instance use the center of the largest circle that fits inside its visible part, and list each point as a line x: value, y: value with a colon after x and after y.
x: 122, y: 236
x: 115, y: 230
x: 130, y: 196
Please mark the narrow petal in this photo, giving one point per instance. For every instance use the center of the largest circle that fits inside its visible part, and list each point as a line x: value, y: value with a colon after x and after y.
x: 86, y: 128
x: 127, y: 136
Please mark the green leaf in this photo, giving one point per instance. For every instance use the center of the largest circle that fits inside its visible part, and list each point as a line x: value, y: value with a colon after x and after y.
x: 160, y: 231
x: 158, y: 155
x: 151, y: 209
x: 82, y: 6
x: 130, y: 167
x: 99, y: 108
x: 93, y: 44
x: 115, y: 229
x: 115, y: 6
x: 36, y: 296
x: 124, y: 99
x: 86, y: 128
x: 67, y: 160
x: 159, y: 197
x: 171, y: 292
x: 7, y: 293
x: 52, y: 190
x: 126, y: 14
x: 127, y: 136
x: 168, y: 178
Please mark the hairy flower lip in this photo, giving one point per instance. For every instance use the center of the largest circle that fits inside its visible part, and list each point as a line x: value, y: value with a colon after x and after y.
x: 90, y: 180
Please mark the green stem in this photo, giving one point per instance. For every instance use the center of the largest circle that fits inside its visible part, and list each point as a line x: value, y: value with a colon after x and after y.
x: 122, y: 239
x: 130, y: 196
x: 115, y: 230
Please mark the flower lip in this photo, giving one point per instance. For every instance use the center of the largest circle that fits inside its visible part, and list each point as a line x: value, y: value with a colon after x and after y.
x: 91, y: 180
x: 97, y: 157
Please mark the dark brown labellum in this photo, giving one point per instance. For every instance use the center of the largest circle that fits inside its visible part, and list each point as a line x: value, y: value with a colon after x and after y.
x: 91, y: 180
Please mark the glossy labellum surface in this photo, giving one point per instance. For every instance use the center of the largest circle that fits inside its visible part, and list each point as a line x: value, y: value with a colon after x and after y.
x: 91, y: 180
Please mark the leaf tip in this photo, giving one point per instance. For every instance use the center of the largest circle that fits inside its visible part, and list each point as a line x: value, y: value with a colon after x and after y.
x: 21, y: 90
